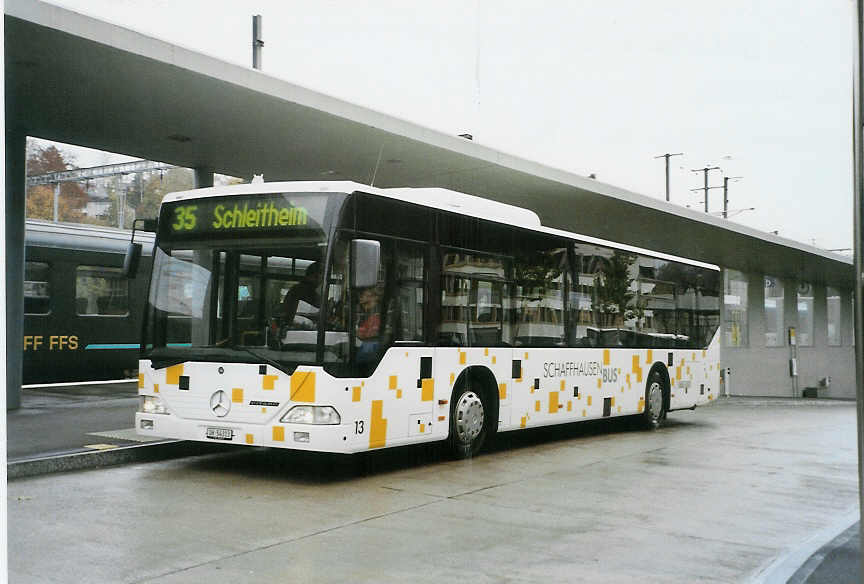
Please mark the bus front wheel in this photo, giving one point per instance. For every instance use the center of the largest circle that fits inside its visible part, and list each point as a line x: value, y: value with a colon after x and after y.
x: 655, y: 403
x: 469, y: 420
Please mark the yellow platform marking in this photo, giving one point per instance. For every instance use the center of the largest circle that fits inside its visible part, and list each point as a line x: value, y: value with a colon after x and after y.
x: 237, y: 395
x: 250, y: 439
x: 278, y: 433
x: 502, y: 391
x: 140, y: 381
x: 155, y: 388
x: 377, y: 425
x: 427, y: 392
x: 269, y: 381
x: 605, y: 356
x: 100, y: 446
x: 303, y: 386
x: 553, y: 402
x: 173, y: 373
x: 394, y: 381
x: 355, y: 393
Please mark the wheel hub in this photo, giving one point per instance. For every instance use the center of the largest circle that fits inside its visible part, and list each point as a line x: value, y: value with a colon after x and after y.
x: 469, y: 416
x: 655, y: 400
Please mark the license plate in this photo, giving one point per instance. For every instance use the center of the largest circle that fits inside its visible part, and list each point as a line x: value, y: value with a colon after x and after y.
x: 220, y: 433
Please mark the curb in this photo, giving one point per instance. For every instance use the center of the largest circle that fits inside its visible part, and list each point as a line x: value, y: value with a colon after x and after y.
x: 121, y: 455
x: 781, y: 570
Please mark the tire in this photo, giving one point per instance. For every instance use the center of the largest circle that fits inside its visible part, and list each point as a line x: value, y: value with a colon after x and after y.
x: 469, y: 420
x: 655, y: 402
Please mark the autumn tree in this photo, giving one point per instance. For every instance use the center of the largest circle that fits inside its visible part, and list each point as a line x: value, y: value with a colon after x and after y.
x: 40, y: 199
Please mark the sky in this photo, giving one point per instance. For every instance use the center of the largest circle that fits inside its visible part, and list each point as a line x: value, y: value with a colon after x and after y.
x: 762, y: 89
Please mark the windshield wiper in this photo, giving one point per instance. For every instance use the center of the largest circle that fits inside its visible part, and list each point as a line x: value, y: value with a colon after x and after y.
x: 267, y: 360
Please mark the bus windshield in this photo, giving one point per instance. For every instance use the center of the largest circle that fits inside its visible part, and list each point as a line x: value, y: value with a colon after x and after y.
x: 247, y: 294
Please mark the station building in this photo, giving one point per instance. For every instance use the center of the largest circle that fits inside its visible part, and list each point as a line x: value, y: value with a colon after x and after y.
x: 786, y: 308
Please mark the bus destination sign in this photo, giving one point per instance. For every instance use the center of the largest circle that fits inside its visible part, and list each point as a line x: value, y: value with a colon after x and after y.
x: 241, y: 216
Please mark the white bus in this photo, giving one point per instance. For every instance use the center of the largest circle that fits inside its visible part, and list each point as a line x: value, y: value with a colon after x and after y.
x: 337, y: 317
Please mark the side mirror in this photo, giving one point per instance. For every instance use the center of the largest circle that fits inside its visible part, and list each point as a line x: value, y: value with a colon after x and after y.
x: 133, y: 250
x: 130, y: 262
x: 366, y: 261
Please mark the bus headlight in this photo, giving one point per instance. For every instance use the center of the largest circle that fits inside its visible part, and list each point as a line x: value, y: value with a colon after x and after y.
x: 151, y: 404
x: 312, y: 415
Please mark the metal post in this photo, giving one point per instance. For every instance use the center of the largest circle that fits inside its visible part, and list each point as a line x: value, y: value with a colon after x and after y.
x: 203, y: 177
x: 706, y: 187
x: 858, y: 193
x: 257, y: 43
x: 16, y: 156
x: 667, y: 156
x: 56, y: 202
x: 726, y: 180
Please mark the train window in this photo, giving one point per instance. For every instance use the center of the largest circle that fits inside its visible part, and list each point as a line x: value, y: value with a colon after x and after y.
x: 37, y: 289
x: 101, y: 291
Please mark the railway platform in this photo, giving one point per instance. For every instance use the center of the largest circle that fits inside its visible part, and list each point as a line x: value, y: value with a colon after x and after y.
x: 69, y: 426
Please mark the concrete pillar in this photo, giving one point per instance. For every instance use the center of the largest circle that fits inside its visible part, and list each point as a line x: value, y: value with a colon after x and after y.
x: 16, y: 159
x: 203, y: 177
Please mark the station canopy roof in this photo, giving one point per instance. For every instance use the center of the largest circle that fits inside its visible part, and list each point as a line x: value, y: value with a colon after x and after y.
x: 76, y: 79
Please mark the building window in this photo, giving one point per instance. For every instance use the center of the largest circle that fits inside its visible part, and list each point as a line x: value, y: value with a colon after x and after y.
x: 834, y: 306
x: 37, y: 290
x: 804, y: 331
x: 735, y: 316
x: 101, y: 291
x: 773, y: 312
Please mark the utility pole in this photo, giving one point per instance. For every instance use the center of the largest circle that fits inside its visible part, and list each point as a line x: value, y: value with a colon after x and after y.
x: 667, y: 156
x: 706, y: 187
x: 257, y: 42
x: 726, y: 180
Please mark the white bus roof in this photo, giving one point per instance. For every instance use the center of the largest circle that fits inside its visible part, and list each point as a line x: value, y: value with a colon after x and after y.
x: 437, y: 198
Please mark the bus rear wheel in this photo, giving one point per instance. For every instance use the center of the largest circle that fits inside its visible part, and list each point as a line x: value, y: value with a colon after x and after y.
x: 469, y: 421
x: 655, y: 402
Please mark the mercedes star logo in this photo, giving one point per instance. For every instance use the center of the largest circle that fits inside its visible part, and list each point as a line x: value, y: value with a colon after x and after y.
x: 220, y: 404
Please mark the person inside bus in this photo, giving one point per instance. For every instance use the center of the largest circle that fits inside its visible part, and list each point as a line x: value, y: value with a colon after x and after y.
x: 368, y: 327
x: 300, y: 304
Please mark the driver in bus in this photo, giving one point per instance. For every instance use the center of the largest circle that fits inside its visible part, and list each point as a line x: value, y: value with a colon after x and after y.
x: 307, y: 291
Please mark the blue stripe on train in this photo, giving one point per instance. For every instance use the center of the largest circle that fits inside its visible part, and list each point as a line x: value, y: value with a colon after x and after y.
x: 129, y: 346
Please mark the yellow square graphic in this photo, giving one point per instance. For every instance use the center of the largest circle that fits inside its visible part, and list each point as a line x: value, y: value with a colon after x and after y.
x: 237, y: 395
x: 303, y: 386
